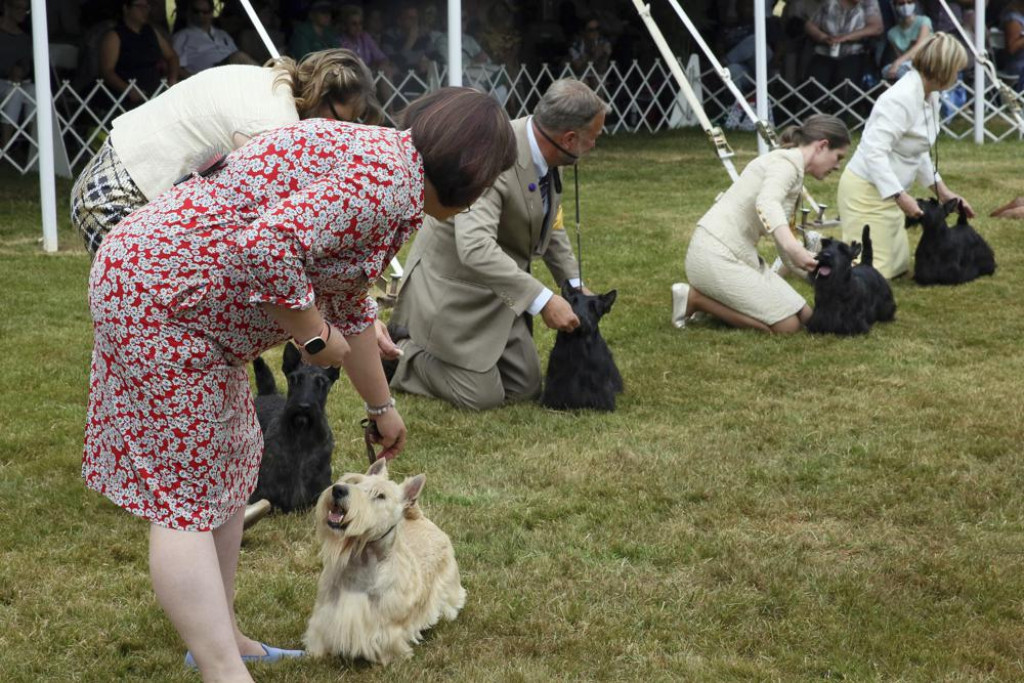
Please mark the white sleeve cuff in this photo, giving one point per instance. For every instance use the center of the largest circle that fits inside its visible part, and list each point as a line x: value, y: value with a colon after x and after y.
x: 575, y: 282
x: 540, y: 302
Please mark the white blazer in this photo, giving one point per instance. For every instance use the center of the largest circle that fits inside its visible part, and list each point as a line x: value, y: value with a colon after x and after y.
x: 894, y: 150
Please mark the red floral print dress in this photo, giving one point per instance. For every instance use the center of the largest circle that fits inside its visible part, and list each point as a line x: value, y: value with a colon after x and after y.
x: 309, y: 213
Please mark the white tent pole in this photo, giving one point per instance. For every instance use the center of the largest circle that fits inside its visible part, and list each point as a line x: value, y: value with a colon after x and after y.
x: 455, y: 42
x: 714, y: 133
x: 979, y: 73
x: 765, y: 131
x: 44, y: 125
x: 722, y: 72
x: 761, y: 69
x: 258, y: 25
x: 1005, y: 94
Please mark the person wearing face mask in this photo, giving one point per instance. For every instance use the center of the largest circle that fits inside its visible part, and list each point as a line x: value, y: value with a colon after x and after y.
x: 469, y: 295
x: 728, y: 279
x: 906, y: 37
x: 894, y: 152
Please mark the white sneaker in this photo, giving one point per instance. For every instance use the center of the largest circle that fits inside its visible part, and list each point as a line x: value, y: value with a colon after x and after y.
x: 680, y: 294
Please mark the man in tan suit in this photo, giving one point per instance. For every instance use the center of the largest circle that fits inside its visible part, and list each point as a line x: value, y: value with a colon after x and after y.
x: 469, y: 288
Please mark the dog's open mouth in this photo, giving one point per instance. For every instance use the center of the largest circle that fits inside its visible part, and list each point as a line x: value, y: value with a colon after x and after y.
x: 823, y: 271
x: 336, y: 519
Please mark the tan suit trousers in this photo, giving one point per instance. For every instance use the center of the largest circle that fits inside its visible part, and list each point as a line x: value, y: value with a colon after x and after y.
x: 516, y: 377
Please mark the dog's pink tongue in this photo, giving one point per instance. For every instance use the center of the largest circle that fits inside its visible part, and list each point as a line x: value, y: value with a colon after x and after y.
x: 335, y: 517
x: 824, y: 271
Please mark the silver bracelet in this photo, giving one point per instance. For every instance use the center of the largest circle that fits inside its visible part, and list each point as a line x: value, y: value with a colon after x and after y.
x: 377, y: 411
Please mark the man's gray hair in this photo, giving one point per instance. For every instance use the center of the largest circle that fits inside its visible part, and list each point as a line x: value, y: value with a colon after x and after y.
x: 567, y: 105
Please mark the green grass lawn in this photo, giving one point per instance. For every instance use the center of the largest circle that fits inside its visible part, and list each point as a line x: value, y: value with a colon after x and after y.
x: 759, y: 508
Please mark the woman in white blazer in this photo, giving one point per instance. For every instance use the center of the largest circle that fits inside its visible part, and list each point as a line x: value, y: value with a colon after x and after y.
x: 895, y: 151
x: 727, y: 277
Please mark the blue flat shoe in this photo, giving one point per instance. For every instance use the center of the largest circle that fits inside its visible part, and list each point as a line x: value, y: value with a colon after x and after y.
x: 274, y: 654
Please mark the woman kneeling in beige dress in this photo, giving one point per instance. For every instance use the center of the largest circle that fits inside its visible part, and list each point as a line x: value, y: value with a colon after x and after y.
x: 727, y: 277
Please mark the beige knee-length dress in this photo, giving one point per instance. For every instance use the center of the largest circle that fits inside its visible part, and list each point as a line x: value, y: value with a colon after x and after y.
x: 722, y: 260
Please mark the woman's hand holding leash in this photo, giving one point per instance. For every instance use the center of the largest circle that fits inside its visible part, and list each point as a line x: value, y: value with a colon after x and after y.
x: 390, y: 433
x: 908, y: 205
x: 793, y: 253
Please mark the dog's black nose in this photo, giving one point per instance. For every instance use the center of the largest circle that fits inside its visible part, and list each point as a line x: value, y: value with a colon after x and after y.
x: 339, y: 491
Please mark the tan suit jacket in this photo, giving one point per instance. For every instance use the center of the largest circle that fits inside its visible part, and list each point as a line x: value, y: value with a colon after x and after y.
x: 469, y: 278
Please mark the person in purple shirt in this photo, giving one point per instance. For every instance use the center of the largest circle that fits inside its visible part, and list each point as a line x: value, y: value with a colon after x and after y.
x: 354, y: 38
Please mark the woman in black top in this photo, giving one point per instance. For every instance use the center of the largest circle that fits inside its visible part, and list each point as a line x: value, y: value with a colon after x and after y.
x: 134, y: 50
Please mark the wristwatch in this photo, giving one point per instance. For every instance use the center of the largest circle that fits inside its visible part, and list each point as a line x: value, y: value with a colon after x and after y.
x: 317, y: 343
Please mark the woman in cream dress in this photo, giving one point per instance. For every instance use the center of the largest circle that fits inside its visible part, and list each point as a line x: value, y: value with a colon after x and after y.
x: 727, y: 277
x: 894, y: 152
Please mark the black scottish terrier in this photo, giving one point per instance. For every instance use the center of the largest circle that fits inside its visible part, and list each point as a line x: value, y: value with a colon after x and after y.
x: 581, y: 371
x: 849, y: 299
x: 949, y: 256
x: 297, y: 441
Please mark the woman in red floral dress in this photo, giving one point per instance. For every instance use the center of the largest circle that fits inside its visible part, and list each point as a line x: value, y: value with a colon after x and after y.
x: 282, y: 242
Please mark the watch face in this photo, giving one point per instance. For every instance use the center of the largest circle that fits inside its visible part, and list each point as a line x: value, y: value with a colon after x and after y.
x: 315, y: 345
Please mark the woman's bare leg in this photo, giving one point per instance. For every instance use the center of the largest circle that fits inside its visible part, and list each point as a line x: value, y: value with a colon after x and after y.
x: 228, y: 540
x: 793, y: 323
x: 697, y: 301
x: 187, y: 579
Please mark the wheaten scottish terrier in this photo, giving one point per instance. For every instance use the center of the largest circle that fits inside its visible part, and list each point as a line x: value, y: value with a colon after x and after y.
x: 389, y: 572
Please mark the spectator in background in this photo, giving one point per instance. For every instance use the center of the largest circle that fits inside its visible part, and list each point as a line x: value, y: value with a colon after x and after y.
x: 841, y: 29
x: 15, y: 68
x: 354, y: 38
x: 740, y: 43
x: 407, y: 45
x: 373, y: 24
x: 590, y: 47
x: 134, y: 50
x: 1013, y: 29
x: 203, y: 45
x: 796, y: 46
x: 906, y: 37
x: 249, y: 39
x: 500, y: 38
x: 316, y: 33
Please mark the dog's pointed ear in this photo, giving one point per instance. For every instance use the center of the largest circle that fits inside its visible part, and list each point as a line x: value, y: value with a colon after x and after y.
x: 333, y: 374
x: 378, y: 468
x: 292, y: 359
x: 567, y: 289
x: 411, y: 489
x: 950, y: 206
x: 608, y: 298
x: 855, y: 250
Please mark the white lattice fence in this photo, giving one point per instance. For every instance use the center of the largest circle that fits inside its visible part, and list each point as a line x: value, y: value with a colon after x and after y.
x: 642, y: 98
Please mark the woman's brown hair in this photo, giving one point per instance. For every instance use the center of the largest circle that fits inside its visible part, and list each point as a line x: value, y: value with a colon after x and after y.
x: 336, y: 75
x: 817, y: 127
x: 465, y: 139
